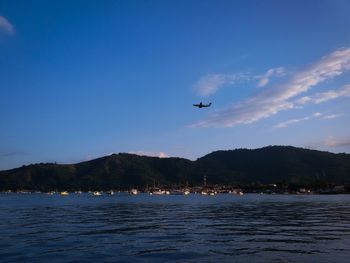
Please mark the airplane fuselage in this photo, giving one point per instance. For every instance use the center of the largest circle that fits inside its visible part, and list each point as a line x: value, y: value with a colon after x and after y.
x: 201, y: 105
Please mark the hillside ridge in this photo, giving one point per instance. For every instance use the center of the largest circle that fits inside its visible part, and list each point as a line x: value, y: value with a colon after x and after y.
x: 271, y: 164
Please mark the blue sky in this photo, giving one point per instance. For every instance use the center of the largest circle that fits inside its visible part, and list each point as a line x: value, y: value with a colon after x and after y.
x: 83, y: 79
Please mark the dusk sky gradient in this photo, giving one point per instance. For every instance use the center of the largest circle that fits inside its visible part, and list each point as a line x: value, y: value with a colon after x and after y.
x: 84, y: 79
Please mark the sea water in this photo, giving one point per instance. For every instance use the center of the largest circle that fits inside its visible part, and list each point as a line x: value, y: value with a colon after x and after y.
x: 193, y: 228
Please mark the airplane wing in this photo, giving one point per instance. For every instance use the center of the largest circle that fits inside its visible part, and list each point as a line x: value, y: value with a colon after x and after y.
x: 202, y: 105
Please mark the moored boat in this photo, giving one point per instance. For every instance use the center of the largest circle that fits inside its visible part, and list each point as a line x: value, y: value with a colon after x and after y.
x: 236, y: 192
x: 158, y: 191
x: 134, y: 191
x: 186, y: 192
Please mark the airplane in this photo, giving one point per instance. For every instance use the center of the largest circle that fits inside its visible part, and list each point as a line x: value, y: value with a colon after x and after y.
x: 201, y: 105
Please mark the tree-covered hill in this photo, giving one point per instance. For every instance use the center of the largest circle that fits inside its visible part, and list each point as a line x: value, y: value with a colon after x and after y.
x: 273, y: 164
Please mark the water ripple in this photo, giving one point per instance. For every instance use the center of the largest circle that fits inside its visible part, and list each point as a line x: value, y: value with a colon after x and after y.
x: 195, y: 228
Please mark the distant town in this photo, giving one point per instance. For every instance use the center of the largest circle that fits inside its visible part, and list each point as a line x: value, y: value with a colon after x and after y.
x: 204, y: 189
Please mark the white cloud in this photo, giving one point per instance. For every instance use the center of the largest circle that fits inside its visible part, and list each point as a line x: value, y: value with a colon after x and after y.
x: 313, y: 116
x: 246, y: 112
x: 273, y: 100
x: 210, y: 84
x: 325, y: 96
x: 303, y: 100
x: 6, y: 26
x: 316, y: 115
x: 89, y: 157
x: 151, y: 154
x: 332, y: 116
x: 287, y: 123
x: 333, y: 142
x: 273, y: 72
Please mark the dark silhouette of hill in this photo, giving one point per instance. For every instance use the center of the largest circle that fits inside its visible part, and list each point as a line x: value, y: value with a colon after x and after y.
x: 273, y: 164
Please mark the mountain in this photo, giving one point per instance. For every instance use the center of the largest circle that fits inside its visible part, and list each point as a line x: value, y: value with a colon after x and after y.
x: 274, y: 164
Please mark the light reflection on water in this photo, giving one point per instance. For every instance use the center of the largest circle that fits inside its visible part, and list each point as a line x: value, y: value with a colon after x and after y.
x: 223, y: 228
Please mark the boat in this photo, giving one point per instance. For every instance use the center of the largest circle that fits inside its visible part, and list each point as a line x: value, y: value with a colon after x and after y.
x: 236, y: 192
x: 208, y: 192
x: 158, y: 191
x: 134, y: 191
x: 187, y: 192
x: 97, y: 193
x: 64, y: 193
